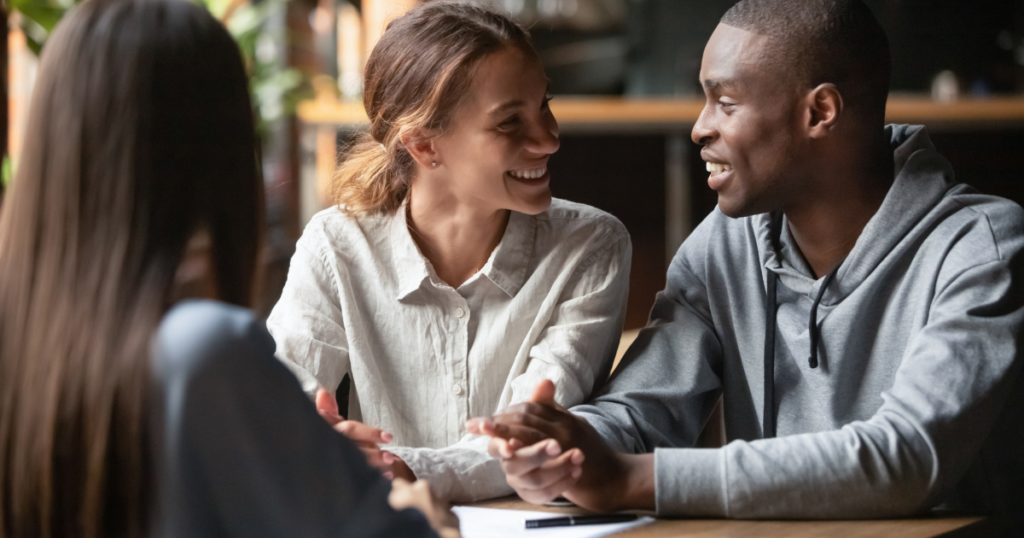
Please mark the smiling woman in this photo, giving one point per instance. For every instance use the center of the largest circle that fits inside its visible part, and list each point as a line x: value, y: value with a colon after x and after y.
x: 447, y: 282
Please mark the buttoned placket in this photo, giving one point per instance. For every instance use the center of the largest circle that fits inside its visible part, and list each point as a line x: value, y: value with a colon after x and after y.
x: 458, y: 393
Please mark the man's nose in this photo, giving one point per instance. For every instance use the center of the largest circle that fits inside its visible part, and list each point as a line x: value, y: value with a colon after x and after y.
x: 703, y: 133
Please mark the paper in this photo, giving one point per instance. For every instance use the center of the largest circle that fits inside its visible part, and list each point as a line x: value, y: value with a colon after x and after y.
x: 497, y: 523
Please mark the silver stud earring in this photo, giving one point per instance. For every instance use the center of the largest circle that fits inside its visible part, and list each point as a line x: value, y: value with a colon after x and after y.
x: 434, y: 164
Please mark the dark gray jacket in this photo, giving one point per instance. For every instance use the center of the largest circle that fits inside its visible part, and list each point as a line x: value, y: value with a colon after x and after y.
x: 241, y: 449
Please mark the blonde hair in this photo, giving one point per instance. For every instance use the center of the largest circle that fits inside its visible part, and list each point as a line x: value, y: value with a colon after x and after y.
x: 415, y: 78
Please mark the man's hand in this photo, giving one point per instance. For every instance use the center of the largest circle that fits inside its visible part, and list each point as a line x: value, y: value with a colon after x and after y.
x: 526, y: 423
x: 365, y: 437
x: 546, y: 451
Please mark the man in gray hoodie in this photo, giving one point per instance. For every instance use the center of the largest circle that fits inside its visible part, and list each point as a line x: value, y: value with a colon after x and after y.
x: 859, y: 311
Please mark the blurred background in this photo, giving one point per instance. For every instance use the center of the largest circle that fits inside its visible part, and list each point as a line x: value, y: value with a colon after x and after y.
x: 624, y: 73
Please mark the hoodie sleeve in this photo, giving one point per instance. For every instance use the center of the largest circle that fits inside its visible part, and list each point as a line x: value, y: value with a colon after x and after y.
x: 653, y: 398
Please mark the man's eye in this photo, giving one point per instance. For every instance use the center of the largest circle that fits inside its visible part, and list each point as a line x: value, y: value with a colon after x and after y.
x: 547, y: 102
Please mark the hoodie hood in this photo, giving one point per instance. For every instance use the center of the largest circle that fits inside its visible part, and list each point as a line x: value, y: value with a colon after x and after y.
x: 922, y: 177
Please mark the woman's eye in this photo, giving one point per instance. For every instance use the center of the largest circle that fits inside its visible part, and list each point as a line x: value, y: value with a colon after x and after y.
x: 510, y: 123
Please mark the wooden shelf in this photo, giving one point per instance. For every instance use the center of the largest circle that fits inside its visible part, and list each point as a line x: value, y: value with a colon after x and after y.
x: 616, y: 114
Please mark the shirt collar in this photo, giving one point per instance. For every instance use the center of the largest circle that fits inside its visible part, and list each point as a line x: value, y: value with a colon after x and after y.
x: 411, y: 267
x: 508, y: 263
x: 506, y: 267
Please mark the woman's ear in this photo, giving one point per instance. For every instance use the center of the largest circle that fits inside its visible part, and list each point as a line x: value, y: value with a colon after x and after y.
x: 825, y: 107
x: 421, y: 146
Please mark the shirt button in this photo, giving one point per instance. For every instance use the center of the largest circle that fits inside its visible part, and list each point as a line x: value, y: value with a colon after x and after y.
x: 459, y: 312
x: 456, y: 389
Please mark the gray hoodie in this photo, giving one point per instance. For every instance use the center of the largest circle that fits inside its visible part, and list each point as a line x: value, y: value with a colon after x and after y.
x: 915, y: 400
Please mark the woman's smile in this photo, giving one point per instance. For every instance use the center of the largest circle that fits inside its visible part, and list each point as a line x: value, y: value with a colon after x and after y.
x: 533, y: 176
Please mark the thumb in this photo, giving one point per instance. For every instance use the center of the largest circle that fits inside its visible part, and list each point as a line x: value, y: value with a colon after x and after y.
x: 544, y: 393
x: 325, y: 402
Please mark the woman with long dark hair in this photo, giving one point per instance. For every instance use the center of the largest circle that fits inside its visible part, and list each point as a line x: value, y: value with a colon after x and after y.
x: 125, y: 411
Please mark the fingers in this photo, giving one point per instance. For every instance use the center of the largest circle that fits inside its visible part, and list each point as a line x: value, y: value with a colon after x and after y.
x: 403, y: 496
x: 531, y: 458
x: 547, y: 453
x: 544, y: 393
x: 325, y: 402
x: 377, y: 458
x: 475, y: 425
x: 525, y: 434
x: 539, y: 473
x: 332, y: 420
x: 417, y: 495
x: 547, y: 413
x: 549, y: 493
x: 503, y: 448
x: 359, y: 432
x: 498, y: 448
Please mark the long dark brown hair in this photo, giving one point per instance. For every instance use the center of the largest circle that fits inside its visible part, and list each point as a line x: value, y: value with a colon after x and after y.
x: 416, y: 76
x: 140, y: 134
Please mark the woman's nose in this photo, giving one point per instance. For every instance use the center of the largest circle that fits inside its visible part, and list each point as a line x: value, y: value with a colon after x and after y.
x: 544, y: 138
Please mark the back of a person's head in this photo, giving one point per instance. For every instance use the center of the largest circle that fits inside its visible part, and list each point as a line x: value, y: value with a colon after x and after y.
x: 823, y: 41
x: 140, y: 135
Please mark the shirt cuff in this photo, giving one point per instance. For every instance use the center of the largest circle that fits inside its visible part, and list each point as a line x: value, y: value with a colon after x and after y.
x: 456, y: 474
x: 689, y: 482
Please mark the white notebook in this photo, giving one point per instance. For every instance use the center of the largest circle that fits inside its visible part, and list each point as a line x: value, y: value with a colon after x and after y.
x: 498, y: 523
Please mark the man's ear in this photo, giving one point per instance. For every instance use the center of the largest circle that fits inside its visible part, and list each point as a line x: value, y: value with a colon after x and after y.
x: 824, y: 106
x: 420, y: 144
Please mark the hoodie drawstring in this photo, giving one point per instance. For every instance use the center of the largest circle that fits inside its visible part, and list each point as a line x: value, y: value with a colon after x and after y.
x: 812, y: 326
x: 768, y: 423
x: 768, y: 426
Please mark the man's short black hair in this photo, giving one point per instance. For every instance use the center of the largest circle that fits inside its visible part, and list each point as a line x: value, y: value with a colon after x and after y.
x: 821, y: 41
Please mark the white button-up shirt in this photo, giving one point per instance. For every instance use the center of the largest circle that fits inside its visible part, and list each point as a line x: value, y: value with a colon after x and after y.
x: 425, y: 357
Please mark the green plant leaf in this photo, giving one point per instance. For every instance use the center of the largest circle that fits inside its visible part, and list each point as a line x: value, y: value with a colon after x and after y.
x: 6, y: 172
x: 275, y: 91
x: 248, y: 20
x: 45, y: 14
x: 33, y: 45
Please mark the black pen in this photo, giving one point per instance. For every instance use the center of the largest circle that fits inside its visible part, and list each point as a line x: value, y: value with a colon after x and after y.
x: 578, y: 520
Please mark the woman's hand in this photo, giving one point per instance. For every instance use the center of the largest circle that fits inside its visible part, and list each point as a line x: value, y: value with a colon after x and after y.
x: 365, y: 437
x: 541, y: 472
x: 417, y: 495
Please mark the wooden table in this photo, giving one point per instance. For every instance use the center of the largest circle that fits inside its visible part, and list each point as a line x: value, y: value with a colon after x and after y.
x: 705, y: 528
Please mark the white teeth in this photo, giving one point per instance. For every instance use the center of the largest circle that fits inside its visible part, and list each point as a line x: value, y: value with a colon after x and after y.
x: 528, y: 174
x: 717, y: 168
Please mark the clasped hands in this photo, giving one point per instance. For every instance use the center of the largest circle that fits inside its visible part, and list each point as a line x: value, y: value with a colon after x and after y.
x: 545, y: 451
